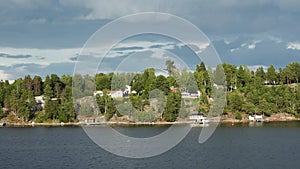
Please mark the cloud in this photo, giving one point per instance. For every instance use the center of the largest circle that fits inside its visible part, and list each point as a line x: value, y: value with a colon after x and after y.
x: 255, y: 67
x: 253, y: 44
x: 111, y: 9
x: 4, y: 55
x: 293, y: 45
x: 234, y: 49
x: 5, y: 76
x: 11, y: 56
x: 130, y: 47
x: 247, y: 45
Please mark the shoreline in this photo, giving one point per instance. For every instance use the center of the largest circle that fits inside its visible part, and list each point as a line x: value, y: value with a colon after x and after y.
x: 224, y: 121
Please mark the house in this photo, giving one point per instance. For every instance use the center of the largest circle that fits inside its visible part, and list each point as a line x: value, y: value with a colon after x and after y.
x: 174, y: 89
x: 191, y: 95
x: 40, y: 100
x: 219, y: 86
x: 116, y: 94
x: 127, y: 90
x: 98, y: 92
x: 185, y: 95
x: 89, y: 120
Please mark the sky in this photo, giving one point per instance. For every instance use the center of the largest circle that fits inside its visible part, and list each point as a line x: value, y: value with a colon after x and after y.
x: 44, y: 37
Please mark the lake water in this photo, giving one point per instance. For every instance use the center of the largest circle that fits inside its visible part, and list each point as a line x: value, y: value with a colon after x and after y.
x: 272, y: 145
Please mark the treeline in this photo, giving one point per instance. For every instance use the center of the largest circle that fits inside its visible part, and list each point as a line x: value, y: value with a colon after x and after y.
x: 248, y: 92
x: 17, y: 100
x: 263, y: 92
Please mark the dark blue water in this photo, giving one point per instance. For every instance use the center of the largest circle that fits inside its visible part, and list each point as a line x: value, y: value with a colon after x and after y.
x: 240, y: 146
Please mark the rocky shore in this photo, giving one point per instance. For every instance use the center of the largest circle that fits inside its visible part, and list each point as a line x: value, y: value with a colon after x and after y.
x: 124, y: 123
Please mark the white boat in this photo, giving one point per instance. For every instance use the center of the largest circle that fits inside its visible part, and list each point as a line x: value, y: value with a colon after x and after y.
x: 198, y: 118
x: 2, y: 124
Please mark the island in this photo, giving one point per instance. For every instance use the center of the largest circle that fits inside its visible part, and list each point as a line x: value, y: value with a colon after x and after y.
x: 149, y: 98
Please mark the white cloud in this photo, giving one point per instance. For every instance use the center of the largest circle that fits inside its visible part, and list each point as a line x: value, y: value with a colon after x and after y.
x: 110, y: 9
x: 4, y: 76
x: 253, y: 44
x: 130, y: 47
x: 255, y: 67
x: 293, y: 45
x: 40, y: 56
x: 234, y: 50
x: 227, y: 42
x: 46, y: 57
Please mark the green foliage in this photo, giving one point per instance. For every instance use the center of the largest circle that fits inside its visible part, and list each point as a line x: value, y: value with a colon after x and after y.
x: 172, y: 107
x: 144, y: 116
x: 219, y: 75
x: 2, y: 113
x: 247, y: 92
x: 86, y: 110
x: 238, y: 115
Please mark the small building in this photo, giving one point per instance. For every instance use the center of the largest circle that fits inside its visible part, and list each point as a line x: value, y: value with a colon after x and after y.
x: 185, y: 95
x: 174, y: 89
x: 40, y: 100
x: 191, y: 95
x: 89, y: 120
x: 127, y: 90
x: 116, y: 94
x: 98, y: 92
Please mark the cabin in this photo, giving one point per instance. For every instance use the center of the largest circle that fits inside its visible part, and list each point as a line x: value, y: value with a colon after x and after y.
x: 89, y: 120
x: 191, y: 95
x: 40, y: 100
x: 127, y: 90
x: 116, y: 94
x: 98, y: 92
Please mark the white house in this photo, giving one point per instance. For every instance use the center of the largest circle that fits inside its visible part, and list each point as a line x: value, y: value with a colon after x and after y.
x: 40, y: 100
x: 98, y: 92
x: 127, y: 89
x: 116, y: 94
x: 190, y: 95
x: 185, y: 95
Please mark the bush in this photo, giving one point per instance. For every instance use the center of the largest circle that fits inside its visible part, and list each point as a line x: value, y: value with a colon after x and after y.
x: 238, y: 115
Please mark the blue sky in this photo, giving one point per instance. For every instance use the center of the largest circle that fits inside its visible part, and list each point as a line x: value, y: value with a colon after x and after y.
x: 43, y: 37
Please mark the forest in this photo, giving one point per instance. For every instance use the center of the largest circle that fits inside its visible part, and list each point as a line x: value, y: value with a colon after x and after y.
x: 263, y: 91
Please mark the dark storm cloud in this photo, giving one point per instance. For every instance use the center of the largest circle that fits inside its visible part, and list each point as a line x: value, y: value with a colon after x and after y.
x: 57, y: 24
x: 4, y: 55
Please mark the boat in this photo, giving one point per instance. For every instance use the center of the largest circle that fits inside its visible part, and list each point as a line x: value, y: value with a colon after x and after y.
x: 2, y: 124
